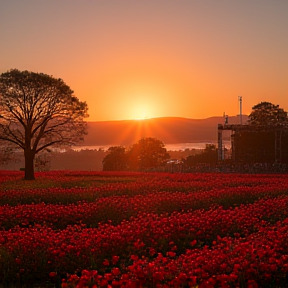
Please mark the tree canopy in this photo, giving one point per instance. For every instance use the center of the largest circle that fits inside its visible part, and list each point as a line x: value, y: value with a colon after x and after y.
x: 115, y: 160
x: 146, y: 154
x: 208, y: 156
x: 38, y: 111
x: 267, y: 114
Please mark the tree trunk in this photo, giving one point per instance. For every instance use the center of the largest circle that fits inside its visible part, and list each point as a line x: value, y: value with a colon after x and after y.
x: 29, y: 164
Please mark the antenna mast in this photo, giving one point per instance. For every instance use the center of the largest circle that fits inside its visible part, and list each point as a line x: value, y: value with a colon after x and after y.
x: 240, y: 106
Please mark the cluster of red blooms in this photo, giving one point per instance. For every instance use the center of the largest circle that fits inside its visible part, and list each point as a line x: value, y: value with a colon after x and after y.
x: 155, y: 230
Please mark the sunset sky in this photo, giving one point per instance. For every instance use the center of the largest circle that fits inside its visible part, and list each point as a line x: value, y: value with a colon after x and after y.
x: 132, y: 59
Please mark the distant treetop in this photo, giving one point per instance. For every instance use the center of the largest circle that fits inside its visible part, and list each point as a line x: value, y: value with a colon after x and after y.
x: 268, y: 114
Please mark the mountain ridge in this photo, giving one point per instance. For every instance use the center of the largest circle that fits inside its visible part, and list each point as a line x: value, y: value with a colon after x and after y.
x: 169, y: 130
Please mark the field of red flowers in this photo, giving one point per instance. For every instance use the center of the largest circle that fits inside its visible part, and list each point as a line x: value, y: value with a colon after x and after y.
x: 113, y: 229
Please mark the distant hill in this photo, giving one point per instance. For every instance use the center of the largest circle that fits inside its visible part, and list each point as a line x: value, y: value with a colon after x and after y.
x: 170, y: 130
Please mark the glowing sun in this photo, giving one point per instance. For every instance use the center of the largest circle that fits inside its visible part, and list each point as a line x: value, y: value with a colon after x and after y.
x: 141, y: 111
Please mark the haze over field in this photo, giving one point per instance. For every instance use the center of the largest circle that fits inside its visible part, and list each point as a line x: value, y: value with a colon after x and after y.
x: 145, y: 59
x: 168, y: 129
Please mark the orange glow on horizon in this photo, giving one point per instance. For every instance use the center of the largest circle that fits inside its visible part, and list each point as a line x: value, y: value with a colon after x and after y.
x: 149, y: 59
x: 142, y: 129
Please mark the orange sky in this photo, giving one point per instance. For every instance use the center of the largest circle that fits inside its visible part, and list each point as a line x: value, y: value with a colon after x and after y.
x: 153, y: 58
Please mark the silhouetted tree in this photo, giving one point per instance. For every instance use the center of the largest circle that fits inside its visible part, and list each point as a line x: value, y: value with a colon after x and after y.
x: 115, y: 160
x: 267, y: 114
x: 147, y: 153
x: 208, y: 156
x: 38, y: 111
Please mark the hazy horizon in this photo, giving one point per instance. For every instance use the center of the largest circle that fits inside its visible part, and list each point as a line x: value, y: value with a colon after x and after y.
x: 169, y: 117
x: 145, y: 59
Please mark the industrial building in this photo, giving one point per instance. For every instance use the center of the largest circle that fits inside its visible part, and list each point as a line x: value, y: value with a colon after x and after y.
x: 255, y: 144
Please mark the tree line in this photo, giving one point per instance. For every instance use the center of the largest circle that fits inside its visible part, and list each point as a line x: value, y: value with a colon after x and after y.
x: 38, y: 111
x: 144, y: 155
x: 150, y: 154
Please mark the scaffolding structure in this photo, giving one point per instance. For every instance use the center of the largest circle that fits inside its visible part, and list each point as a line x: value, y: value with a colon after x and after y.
x: 274, y: 139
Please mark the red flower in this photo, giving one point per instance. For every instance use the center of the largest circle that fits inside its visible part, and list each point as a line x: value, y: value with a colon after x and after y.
x: 52, y: 274
x: 171, y: 254
x: 115, y: 259
x: 116, y: 271
x: 194, y: 242
x: 252, y: 284
x: 106, y: 262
